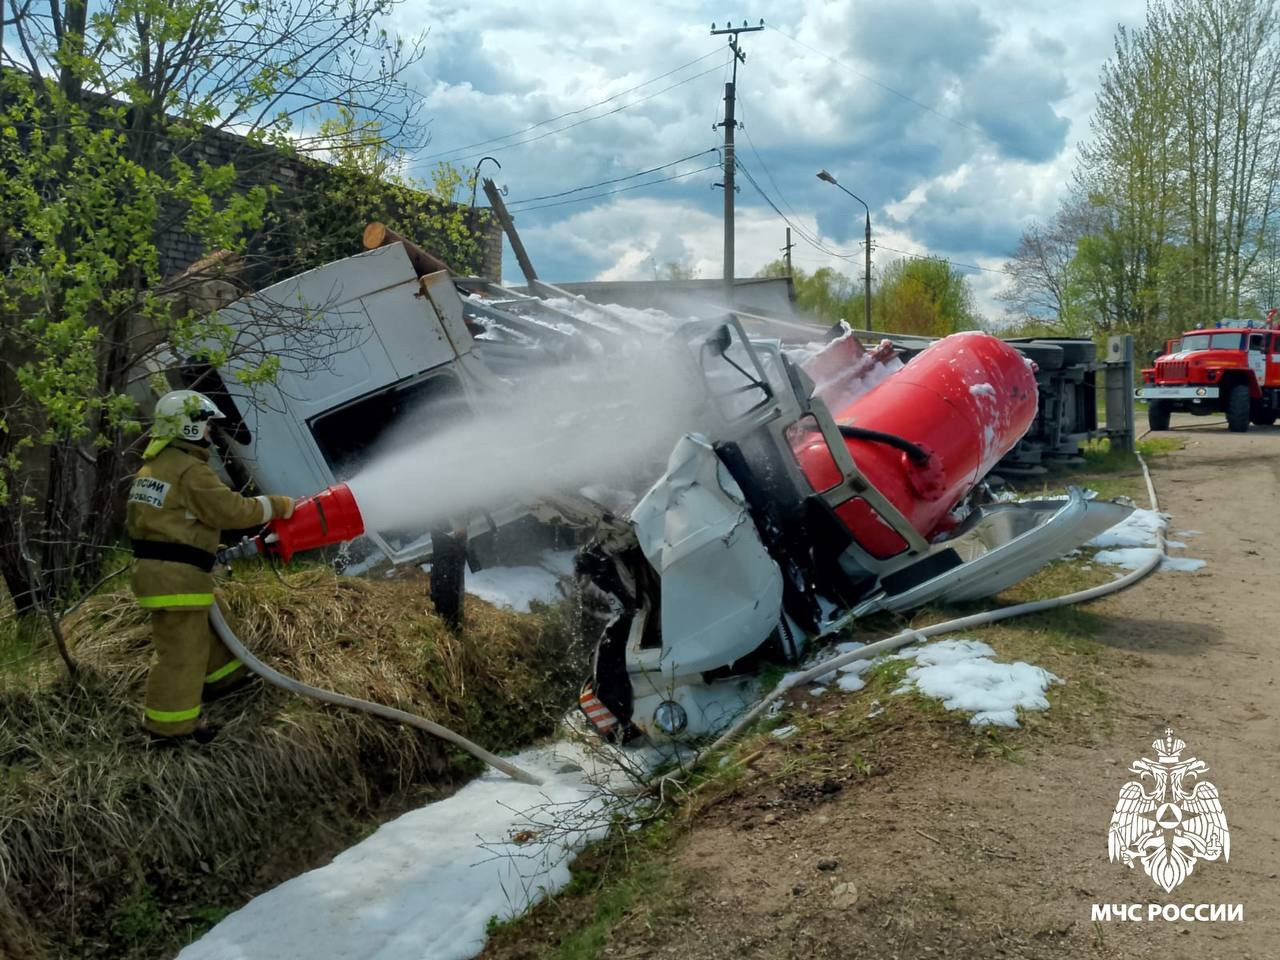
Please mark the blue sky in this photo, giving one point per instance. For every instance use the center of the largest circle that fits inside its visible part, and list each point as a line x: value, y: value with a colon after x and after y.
x: 957, y: 122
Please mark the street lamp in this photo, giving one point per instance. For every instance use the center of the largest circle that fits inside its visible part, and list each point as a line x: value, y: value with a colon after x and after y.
x: 866, y: 277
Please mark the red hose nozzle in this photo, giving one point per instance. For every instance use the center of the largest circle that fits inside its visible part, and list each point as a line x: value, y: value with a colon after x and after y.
x: 328, y: 517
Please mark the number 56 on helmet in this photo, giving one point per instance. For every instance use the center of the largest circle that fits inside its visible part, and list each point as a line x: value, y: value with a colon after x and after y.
x: 181, y: 415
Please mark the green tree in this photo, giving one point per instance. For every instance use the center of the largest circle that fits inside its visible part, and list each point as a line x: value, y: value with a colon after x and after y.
x: 103, y: 112
x: 1178, y: 187
x: 826, y: 293
x: 364, y: 179
x: 924, y: 296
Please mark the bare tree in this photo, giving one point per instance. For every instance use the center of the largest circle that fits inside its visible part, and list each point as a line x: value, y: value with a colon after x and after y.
x: 1179, y: 183
x: 1040, y: 270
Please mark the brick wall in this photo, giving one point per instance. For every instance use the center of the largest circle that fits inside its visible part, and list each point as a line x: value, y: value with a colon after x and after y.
x: 293, y: 177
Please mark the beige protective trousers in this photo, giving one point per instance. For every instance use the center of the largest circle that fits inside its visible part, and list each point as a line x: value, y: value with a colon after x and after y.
x: 190, y: 663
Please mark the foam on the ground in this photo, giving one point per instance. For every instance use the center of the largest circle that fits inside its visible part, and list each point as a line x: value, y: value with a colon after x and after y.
x: 1131, y: 558
x: 425, y: 885
x: 517, y: 588
x: 962, y: 674
x: 1130, y: 543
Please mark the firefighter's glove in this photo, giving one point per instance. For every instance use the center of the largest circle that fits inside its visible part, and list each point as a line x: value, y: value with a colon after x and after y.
x: 281, y: 507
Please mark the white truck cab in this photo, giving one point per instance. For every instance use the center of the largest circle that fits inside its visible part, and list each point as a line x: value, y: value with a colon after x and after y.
x: 366, y: 352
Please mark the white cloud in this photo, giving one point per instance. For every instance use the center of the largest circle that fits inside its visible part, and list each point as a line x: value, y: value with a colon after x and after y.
x: 1013, y: 81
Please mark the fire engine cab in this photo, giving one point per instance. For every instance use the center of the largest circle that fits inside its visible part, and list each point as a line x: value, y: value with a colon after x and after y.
x: 1233, y: 369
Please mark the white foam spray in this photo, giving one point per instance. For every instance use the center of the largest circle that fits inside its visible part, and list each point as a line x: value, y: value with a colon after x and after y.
x: 610, y: 419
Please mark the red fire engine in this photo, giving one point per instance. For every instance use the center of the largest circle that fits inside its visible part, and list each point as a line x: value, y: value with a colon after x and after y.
x: 1233, y: 368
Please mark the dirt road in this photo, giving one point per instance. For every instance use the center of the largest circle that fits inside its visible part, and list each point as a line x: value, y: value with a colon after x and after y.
x: 933, y: 853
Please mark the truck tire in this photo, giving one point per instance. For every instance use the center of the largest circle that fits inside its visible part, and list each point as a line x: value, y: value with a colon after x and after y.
x: 1158, y: 414
x: 1263, y: 418
x: 1238, y: 405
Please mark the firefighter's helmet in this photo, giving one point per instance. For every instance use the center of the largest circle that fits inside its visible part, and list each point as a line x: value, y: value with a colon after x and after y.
x: 181, y: 415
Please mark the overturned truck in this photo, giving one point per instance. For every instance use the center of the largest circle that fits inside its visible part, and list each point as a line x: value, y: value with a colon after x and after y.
x: 804, y: 489
x: 798, y: 519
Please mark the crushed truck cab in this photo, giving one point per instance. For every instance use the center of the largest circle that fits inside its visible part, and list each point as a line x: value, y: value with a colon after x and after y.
x: 366, y: 351
x: 793, y: 520
x: 1233, y: 369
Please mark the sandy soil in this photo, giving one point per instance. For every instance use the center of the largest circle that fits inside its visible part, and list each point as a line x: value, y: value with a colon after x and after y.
x: 938, y: 854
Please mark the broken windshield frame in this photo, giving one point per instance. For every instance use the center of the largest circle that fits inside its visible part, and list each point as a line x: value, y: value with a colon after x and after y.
x: 735, y: 400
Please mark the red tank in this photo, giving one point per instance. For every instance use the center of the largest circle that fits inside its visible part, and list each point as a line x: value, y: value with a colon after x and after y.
x: 965, y: 401
x: 328, y: 517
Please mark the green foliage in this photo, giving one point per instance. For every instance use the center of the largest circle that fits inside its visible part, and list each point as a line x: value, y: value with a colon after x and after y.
x: 80, y: 213
x: 1172, y: 222
x: 138, y: 917
x: 924, y: 296
x: 103, y: 150
x: 82, y: 206
x: 645, y: 882
x: 363, y: 183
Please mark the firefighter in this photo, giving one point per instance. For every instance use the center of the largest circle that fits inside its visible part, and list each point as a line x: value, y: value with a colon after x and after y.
x: 177, y: 508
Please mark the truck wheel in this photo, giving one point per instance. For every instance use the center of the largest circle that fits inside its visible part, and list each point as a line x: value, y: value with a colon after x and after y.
x: 1158, y: 414
x: 1263, y: 418
x: 1238, y: 409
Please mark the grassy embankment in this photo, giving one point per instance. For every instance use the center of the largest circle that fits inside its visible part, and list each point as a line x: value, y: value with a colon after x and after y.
x: 109, y: 848
x: 632, y: 881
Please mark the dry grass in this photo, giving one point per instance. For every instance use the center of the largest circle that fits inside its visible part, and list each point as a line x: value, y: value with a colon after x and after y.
x: 102, y: 839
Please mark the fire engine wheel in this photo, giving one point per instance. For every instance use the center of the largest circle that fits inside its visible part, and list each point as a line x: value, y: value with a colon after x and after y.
x: 1238, y: 405
x: 1263, y: 418
x: 1158, y: 414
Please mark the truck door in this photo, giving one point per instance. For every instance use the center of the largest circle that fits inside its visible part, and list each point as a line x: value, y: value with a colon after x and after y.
x: 1273, y: 375
x: 1258, y: 357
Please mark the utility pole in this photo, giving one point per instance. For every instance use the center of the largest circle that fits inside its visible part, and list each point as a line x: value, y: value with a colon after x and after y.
x: 729, y: 125
x: 786, y: 251
x: 504, y: 218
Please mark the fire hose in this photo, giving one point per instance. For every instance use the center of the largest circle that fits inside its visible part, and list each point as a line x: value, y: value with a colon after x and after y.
x: 332, y: 516
x: 950, y: 626
x: 276, y: 678
x: 329, y: 517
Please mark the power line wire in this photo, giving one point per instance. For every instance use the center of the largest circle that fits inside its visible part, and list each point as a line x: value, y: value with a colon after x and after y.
x: 804, y: 234
x: 634, y: 186
x: 882, y: 86
x: 818, y: 245
x: 605, y: 183
x: 810, y: 239
x: 572, y: 113
x: 447, y: 158
x: 751, y: 143
x: 935, y: 256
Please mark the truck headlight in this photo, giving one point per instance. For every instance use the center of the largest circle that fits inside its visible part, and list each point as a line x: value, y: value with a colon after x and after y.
x: 670, y: 718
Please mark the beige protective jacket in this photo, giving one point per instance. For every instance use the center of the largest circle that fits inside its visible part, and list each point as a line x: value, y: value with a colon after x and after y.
x: 176, y: 498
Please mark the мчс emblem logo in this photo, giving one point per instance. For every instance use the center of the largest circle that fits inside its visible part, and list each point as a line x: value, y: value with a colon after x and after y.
x: 1168, y: 818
